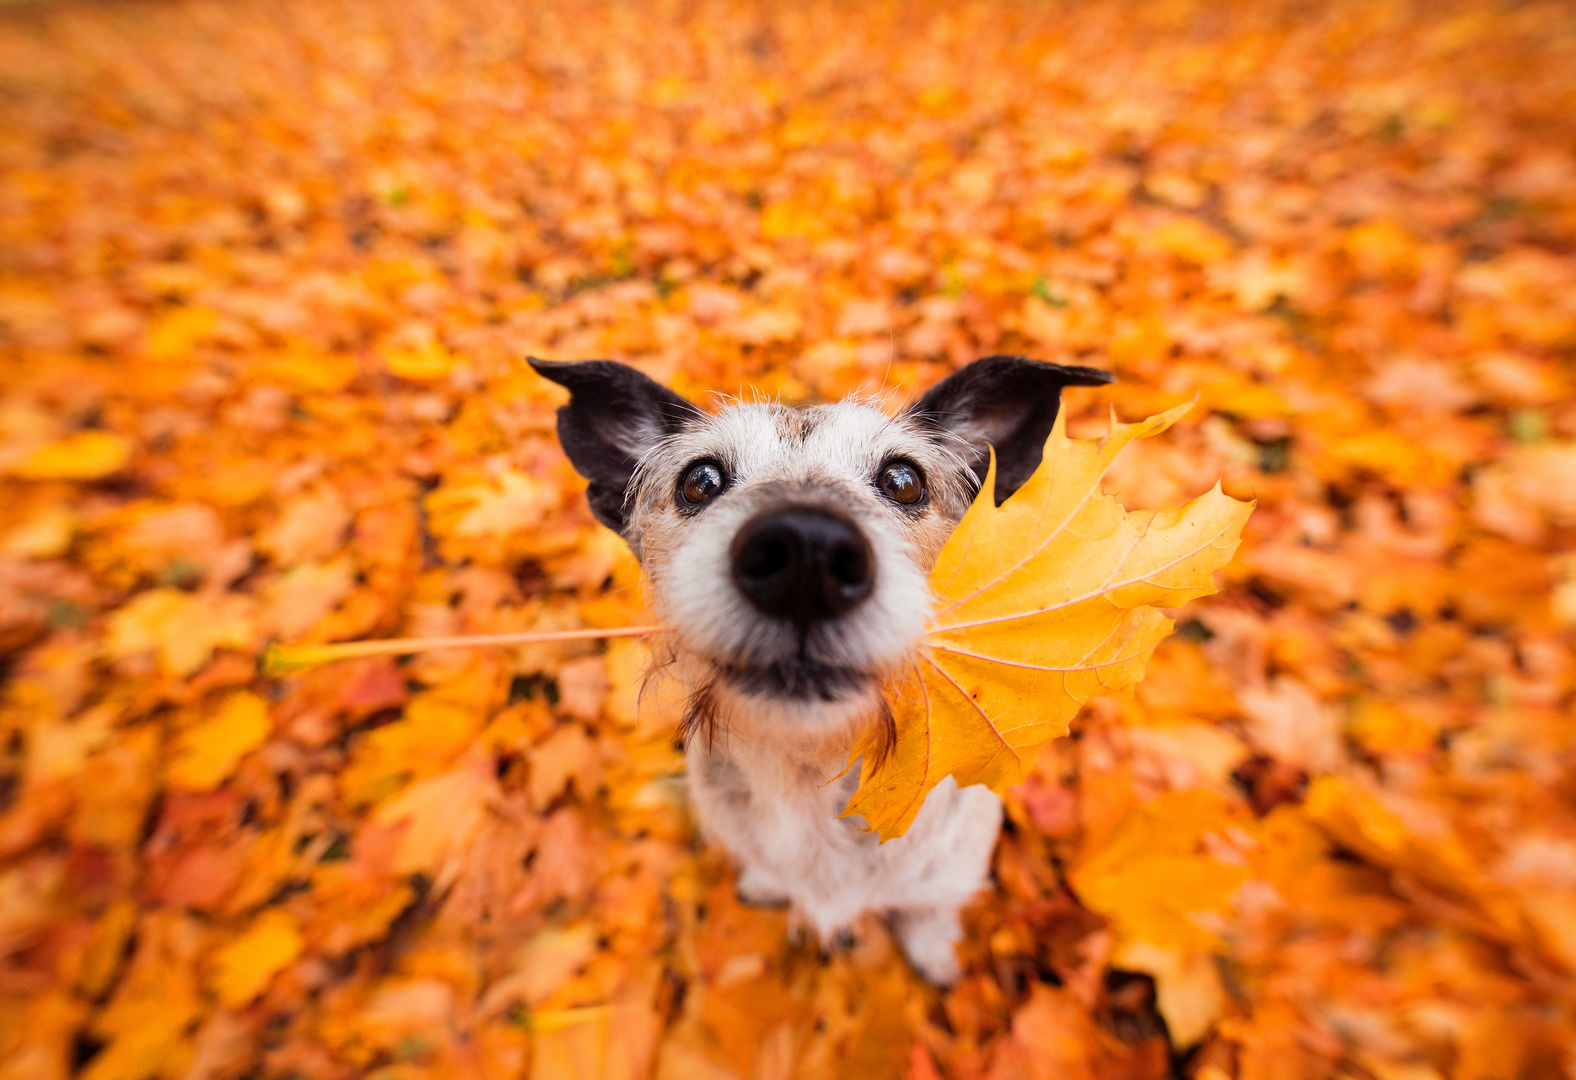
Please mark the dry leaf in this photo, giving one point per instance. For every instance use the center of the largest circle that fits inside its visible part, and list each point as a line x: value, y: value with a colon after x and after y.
x: 244, y: 967
x: 182, y: 628
x: 87, y: 455
x: 440, y: 815
x: 205, y: 755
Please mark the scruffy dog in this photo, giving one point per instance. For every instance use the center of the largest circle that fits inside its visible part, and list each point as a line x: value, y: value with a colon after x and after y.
x: 788, y: 551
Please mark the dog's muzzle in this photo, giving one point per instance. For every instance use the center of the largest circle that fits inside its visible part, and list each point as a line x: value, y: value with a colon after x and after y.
x: 803, y: 564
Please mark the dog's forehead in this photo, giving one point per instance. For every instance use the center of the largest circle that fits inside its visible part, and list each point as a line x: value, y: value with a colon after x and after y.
x: 761, y: 440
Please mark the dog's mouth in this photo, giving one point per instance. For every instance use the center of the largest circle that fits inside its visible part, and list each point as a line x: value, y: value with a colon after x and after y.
x: 796, y: 679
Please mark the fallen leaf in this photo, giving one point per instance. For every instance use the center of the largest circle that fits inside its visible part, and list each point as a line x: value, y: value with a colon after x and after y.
x: 206, y: 754
x: 312, y: 527
x: 567, y: 754
x: 1156, y: 878
x: 424, y: 362
x: 1287, y: 721
x: 87, y: 455
x: 430, y: 734
x: 46, y: 535
x: 542, y: 965
x: 1188, y: 989
x: 300, y: 597
x: 1052, y: 1037
x: 144, y: 1027
x: 183, y: 629
x: 244, y: 967
x: 440, y: 814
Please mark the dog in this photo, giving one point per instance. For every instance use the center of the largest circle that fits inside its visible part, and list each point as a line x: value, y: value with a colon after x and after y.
x: 787, y: 550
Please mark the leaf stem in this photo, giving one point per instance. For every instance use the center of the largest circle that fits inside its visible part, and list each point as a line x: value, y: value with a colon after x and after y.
x: 283, y: 659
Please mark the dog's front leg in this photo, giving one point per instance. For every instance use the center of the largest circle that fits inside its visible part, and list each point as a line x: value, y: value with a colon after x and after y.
x: 929, y: 936
x: 757, y: 885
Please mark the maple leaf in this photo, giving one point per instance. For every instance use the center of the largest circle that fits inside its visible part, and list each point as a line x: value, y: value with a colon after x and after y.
x: 154, y: 1002
x: 544, y: 963
x: 182, y: 628
x: 245, y: 966
x: 311, y: 527
x: 1156, y: 881
x: 208, y: 753
x: 302, y: 595
x: 431, y: 733
x: 43, y: 536
x: 485, y: 516
x: 422, y: 364
x: 1041, y: 603
x: 86, y: 455
x: 442, y: 814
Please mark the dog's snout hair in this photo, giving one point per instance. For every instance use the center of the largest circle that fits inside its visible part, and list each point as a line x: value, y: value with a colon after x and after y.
x: 800, y: 582
x: 788, y: 551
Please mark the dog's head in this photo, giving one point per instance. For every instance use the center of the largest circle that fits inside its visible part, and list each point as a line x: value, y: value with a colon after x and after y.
x: 788, y: 548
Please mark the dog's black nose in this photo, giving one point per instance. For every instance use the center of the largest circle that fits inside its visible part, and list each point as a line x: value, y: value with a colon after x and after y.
x: 802, y: 564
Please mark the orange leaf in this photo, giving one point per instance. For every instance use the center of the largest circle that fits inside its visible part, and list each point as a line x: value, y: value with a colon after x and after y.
x: 87, y: 455
x: 247, y: 964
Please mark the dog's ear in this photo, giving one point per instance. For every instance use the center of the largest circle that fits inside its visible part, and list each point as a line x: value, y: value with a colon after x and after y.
x: 1009, y: 402
x: 615, y: 414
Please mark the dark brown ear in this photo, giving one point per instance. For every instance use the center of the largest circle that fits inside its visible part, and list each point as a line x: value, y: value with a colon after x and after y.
x: 615, y: 414
x: 1008, y: 402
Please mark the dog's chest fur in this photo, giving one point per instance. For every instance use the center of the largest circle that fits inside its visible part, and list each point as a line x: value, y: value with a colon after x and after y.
x: 775, y: 801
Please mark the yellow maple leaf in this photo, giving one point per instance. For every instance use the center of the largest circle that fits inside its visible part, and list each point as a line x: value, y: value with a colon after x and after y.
x: 45, y: 535
x: 1188, y: 989
x: 86, y: 455
x: 1191, y: 240
x: 182, y: 628
x: 1042, y: 603
x: 176, y: 334
x: 300, y: 597
x: 542, y: 965
x: 1165, y: 888
x: 431, y: 733
x: 1154, y: 877
x: 486, y: 516
x: 441, y: 815
x: 207, y: 754
x: 244, y: 967
x: 424, y: 362
x: 144, y: 1025
x: 516, y: 503
x: 1410, y: 836
x: 310, y: 372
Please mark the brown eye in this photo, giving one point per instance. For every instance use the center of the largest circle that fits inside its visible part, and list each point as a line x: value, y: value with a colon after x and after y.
x: 702, y: 482
x: 900, y: 482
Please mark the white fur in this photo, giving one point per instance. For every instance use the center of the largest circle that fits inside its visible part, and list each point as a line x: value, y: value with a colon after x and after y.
x: 765, y: 787
x: 767, y: 799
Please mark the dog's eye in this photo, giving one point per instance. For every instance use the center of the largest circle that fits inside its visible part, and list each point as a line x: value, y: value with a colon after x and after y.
x: 901, y: 482
x: 702, y: 482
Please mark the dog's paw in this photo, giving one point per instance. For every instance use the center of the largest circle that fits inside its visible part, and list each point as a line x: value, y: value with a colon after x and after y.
x: 754, y: 887
x: 841, y: 940
x: 929, y: 937
x: 829, y: 941
x: 939, y: 967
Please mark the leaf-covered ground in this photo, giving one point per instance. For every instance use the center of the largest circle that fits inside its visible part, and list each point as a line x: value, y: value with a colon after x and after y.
x: 267, y: 271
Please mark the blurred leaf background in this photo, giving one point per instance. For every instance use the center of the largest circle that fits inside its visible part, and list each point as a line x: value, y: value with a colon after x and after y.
x: 267, y: 273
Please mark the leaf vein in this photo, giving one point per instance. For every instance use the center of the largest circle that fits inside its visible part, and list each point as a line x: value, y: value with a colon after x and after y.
x: 1101, y: 591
